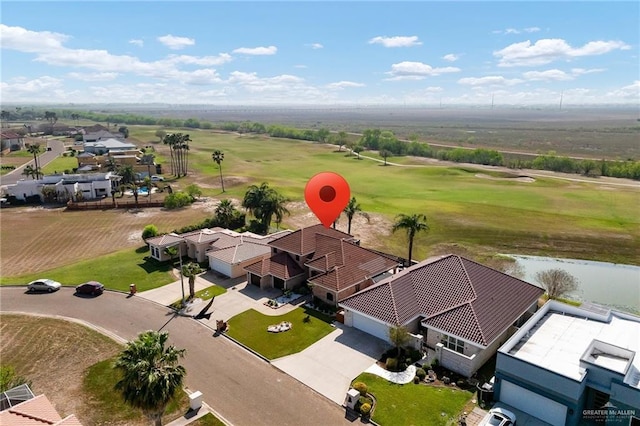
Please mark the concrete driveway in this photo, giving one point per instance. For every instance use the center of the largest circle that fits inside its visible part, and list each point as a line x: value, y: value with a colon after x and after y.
x: 329, y: 365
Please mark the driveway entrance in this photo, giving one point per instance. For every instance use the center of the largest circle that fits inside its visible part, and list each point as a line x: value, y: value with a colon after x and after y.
x: 329, y: 365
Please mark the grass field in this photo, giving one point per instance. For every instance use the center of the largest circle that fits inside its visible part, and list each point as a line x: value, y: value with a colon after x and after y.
x: 250, y: 328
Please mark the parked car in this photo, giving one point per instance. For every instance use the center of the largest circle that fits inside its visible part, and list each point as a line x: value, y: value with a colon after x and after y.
x: 156, y: 178
x: 44, y: 284
x: 498, y: 417
x: 90, y: 287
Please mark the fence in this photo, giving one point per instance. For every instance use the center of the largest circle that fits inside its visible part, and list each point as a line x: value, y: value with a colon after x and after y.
x: 108, y: 204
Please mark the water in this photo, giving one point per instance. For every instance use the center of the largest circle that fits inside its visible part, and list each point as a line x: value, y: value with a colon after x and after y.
x: 609, y: 284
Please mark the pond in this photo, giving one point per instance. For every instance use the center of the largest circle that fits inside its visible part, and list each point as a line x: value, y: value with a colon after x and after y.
x: 609, y: 284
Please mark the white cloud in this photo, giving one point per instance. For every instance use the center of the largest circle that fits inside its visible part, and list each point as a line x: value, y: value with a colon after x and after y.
x: 315, y: 45
x: 630, y: 92
x: 175, y: 42
x: 582, y: 71
x: 548, y: 75
x: 416, y: 71
x: 137, y: 42
x: 42, y: 88
x: 517, y: 31
x: 97, y: 76
x: 200, y: 77
x: 397, y: 41
x: 545, y: 51
x: 23, y: 40
x: 451, y: 57
x: 271, y: 50
x: 490, y: 80
x: 531, y: 30
x: 206, y: 61
x: 344, y: 84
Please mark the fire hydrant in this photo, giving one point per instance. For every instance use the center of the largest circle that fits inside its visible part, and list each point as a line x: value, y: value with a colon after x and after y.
x: 132, y: 289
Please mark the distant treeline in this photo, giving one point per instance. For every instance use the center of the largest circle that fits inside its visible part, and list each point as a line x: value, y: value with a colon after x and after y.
x: 386, y: 142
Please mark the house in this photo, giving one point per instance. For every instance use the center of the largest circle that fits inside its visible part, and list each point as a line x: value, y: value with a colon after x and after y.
x: 462, y: 310
x: 67, y: 186
x: 10, y: 141
x: 100, y: 135
x: 573, y: 366
x: 330, y: 260
x: 36, y: 411
x: 226, y: 251
x: 109, y: 146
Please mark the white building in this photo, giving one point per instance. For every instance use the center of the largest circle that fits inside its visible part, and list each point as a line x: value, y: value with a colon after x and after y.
x: 68, y: 186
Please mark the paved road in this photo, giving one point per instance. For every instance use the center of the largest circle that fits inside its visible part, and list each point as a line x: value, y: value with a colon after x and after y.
x: 241, y: 387
x: 57, y: 148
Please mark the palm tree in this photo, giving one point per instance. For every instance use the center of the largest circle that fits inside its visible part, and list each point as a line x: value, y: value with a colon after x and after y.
x: 218, y: 158
x: 412, y: 224
x: 35, y: 150
x: 279, y: 210
x: 264, y: 202
x: 151, y: 375
x: 171, y: 252
x: 225, y: 212
x: 191, y: 270
x: 30, y: 171
x: 352, y: 208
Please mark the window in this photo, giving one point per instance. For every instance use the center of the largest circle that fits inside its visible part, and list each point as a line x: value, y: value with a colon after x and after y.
x: 452, y: 343
x: 329, y: 296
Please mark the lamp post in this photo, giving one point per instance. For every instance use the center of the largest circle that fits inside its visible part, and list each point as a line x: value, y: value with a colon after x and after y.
x: 181, y: 276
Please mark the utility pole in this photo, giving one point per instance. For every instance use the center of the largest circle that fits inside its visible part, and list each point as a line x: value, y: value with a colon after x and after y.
x: 181, y: 276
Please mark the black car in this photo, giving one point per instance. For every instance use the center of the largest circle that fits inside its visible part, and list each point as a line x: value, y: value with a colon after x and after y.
x: 90, y: 287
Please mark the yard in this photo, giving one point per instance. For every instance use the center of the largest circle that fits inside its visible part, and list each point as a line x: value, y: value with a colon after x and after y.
x: 250, y: 329
x: 414, y: 404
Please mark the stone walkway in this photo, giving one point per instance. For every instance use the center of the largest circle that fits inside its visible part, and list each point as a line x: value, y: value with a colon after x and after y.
x: 403, y: 377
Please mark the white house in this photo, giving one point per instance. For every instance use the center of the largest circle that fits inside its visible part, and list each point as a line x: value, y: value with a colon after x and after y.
x: 67, y: 186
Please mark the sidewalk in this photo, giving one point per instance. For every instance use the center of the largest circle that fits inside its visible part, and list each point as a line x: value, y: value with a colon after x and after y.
x: 195, y: 415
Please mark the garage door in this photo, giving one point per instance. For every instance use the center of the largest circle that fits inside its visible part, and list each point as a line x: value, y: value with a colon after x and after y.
x: 531, y: 403
x: 370, y: 326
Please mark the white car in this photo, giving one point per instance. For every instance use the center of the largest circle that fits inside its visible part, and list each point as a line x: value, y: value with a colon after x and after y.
x: 156, y: 178
x: 498, y: 417
x: 44, y: 284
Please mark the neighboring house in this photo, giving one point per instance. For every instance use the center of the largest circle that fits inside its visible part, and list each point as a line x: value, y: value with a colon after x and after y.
x: 36, y: 411
x: 67, y: 186
x: 227, y: 251
x: 572, y: 366
x: 100, y: 135
x: 108, y: 146
x: 463, y: 310
x: 10, y: 141
x: 329, y: 259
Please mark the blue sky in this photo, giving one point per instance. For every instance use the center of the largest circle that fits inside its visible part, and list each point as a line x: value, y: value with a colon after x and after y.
x: 366, y: 53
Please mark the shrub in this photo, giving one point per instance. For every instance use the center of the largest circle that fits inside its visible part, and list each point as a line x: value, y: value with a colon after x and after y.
x: 306, y: 319
x: 392, y: 364
x: 365, y: 408
x: 149, y: 231
x: 361, y: 387
x: 416, y: 380
x: 421, y: 374
x: 415, y: 355
x: 176, y: 200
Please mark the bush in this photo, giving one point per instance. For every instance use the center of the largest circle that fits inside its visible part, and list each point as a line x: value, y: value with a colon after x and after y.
x: 149, y: 231
x: 416, y: 380
x: 361, y: 387
x: 365, y: 408
x: 414, y: 355
x: 421, y: 374
x: 176, y: 200
x: 392, y: 364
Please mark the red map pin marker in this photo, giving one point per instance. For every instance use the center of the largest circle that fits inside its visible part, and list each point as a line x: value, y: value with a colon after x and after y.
x: 327, y: 194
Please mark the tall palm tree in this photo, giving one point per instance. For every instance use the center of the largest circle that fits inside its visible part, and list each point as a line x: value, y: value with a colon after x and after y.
x: 225, y: 212
x: 352, y: 208
x: 218, y: 158
x: 412, y: 224
x: 30, y: 171
x: 264, y: 202
x: 191, y: 270
x: 278, y: 202
x: 151, y: 375
x: 35, y: 150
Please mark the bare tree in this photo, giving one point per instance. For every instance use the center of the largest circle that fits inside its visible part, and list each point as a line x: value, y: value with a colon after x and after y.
x: 557, y: 282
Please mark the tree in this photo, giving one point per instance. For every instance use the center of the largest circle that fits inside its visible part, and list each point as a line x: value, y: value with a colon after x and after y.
x: 384, y: 153
x: 9, y: 379
x: 264, y: 202
x: 191, y: 270
x: 161, y: 134
x: 358, y: 149
x: 151, y: 375
x: 5, y: 116
x: 218, y: 158
x: 225, y: 211
x: 399, y: 336
x: 124, y: 131
x: 193, y: 191
x: 342, y: 139
x: 412, y: 224
x: 35, y: 150
x: 30, y: 171
x: 179, y: 149
x: 557, y: 282
x: 149, y: 231
x: 52, y: 118
x: 172, y: 252
x: 352, y: 208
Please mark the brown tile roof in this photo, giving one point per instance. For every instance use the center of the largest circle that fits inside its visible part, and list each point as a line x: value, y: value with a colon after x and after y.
x: 240, y: 252
x: 453, y: 294
x: 303, y: 241
x: 345, y: 264
x: 280, y: 265
x: 165, y: 239
x: 37, y: 411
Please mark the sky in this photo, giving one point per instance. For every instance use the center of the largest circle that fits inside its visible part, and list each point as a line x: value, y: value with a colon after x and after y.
x: 320, y: 53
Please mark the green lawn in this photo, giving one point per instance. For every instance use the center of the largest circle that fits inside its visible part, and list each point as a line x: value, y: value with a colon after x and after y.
x: 207, y: 420
x: 250, y: 328
x: 413, y: 404
x: 60, y: 164
x: 116, y: 271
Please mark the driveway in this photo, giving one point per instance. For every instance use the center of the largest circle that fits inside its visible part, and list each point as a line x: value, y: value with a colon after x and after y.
x: 329, y: 365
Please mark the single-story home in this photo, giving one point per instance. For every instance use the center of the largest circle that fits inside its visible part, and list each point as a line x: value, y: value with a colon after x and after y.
x: 330, y: 260
x: 573, y: 366
x: 109, y: 145
x: 10, y: 141
x: 36, y: 411
x: 67, y: 186
x: 463, y: 310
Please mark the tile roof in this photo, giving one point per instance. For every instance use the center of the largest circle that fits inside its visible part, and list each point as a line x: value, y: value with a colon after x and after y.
x: 345, y: 264
x: 202, y: 236
x: 240, y: 252
x: 453, y: 294
x: 303, y: 241
x: 36, y: 411
x: 280, y: 265
x: 165, y: 239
